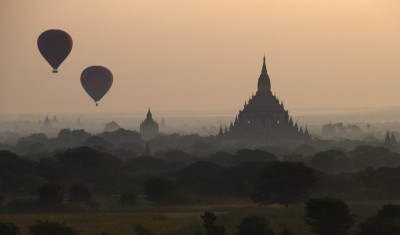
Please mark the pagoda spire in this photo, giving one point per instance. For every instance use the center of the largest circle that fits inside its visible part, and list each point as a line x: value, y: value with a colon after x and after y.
x: 264, y: 67
x: 149, y: 115
x: 264, y: 84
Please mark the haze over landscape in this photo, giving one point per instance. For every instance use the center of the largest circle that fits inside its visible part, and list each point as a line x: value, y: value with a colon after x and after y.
x: 214, y: 117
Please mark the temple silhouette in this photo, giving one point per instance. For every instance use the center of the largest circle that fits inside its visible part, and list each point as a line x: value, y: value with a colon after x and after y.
x: 149, y: 127
x: 264, y: 120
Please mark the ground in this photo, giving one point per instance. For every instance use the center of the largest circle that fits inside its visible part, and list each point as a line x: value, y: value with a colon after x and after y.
x: 174, y: 220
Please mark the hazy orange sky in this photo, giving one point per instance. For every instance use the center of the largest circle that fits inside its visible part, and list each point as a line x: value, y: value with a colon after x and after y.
x: 202, y: 55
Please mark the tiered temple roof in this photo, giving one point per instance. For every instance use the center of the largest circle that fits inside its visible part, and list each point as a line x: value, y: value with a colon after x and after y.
x: 264, y: 119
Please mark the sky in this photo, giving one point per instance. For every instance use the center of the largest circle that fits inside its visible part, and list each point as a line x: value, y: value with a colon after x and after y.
x: 202, y: 55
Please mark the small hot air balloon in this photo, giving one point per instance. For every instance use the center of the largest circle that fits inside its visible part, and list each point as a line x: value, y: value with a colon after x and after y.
x: 96, y: 80
x: 54, y: 45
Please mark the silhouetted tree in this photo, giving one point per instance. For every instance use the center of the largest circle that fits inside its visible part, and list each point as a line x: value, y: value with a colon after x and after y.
x: 287, y: 232
x: 128, y: 198
x: 50, y: 196
x: 284, y: 183
x: 254, y: 225
x: 160, y: 190
x: 141, y: 230
x: 328, y: 216
x: 79, y: 193
x: 210, y: 224
x: 51, y: 228
x: 386, y: 222
x: 201, y: 178
x: 7, y: 228
x: 331, y: 161
x: 245, y: 155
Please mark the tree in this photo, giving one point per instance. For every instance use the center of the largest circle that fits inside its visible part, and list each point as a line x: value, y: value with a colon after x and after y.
x: 79, y: 193
x: 209, y: 224
x: 386, y: 222
x: 7, y: 228
x: 254, y: 225
x: 328, y: 216
x: 160, y: 190
x: 51, y: 228
x: 331, y: 161
x: 50, y: 196
x: 284, y: 183
x: 287, y: 232
x: 128, y: 198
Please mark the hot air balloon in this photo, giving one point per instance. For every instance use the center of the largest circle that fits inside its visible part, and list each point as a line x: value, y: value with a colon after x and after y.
x: 54, y: 45
x: 96, y: 80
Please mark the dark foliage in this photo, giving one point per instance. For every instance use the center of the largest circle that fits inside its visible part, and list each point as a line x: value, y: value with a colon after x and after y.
x: 284, y: 183
x: 254, y: 225
x: 7, y: 228
x: 244, y: 155
x: 371, y: 156
x: 201, y: 178
x: 210, y: 224
x: 386, y: 222
x: 51, y: 228
x: 328, y: 216
x: 287, y: 232
x: 331, y: 161
x: 160, y: 190
x: 50, y: 196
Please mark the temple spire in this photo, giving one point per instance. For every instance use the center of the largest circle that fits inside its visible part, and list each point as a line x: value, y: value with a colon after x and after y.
x: 264, y: 67
x: 264, y: 84
x: 149, y: 115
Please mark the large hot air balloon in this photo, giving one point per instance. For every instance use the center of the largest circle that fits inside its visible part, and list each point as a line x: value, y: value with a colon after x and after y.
x: 96, y: 80
x: 54, y: 45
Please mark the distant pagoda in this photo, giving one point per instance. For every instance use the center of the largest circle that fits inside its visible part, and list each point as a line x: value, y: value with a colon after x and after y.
x: 149, y: 127
x: 264, y: 120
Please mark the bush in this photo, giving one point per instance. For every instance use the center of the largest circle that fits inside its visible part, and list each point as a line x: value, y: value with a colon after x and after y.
x: 379, y: 226
x: 128, y: 198
x: 209, y: 224
x: 141, y: 230
x: 254, y: 225
x: 287, y: 232
x: 51, y: 228
x: 328, y: 216
x: 386, y: 222
x: 7, y: 228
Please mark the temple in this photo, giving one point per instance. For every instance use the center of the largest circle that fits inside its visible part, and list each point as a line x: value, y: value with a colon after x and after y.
x: 264, y: 120
x: 149, y: 127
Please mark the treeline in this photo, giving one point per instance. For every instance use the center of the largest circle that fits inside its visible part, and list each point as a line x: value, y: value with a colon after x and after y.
x: 122, y: 143
x: 177, y: 177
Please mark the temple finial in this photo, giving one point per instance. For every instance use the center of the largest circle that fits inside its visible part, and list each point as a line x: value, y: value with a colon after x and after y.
x: 264, y: 67
x: 149, y: 115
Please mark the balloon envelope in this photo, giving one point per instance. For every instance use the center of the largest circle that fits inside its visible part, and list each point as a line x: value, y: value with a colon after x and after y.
x: 96, y: 80
x: 54, y: 45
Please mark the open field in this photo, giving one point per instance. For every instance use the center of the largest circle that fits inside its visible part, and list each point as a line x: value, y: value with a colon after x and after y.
x: 186, y: 219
